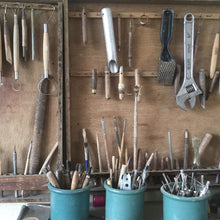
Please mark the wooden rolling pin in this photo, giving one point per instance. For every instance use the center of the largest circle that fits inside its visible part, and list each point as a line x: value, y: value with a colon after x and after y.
x: 214, y: 53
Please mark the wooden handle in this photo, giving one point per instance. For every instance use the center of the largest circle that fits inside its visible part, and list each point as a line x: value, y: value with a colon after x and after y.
x: 214, y: 80
x: 84, y: 26
x: 214, y: 56
x: 139, y: 160
x: 0, y: 50
x: 107, y: 83
x: 99, y: 154
x: 137, y: 82
x: 155, y: 160
x: 168, y: 163
x: 123, y: 171
x: 129, y: 48
x: 119, y: 33
x: 52, y: 179
x: 16, y: 46
x: 162, y: 163
x: 75, y: 180
x: 94, y: 81
x: 7, y: 42
x: 121, y: 86
x: 86, y: 182
x: 177, y: 79
x: 46, y: 162
x: 205, y: 142
x: 46, y: 51
x: 106, y: 152
x: 24, y: 34
x: 113, y: 164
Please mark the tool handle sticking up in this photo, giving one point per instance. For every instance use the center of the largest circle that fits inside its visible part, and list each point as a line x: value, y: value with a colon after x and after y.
x: 46, y: 51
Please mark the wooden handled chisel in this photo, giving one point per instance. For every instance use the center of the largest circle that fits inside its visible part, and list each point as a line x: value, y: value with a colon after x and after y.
x: 24, y: 34
x: 214, y: 53
x: 7, y: 41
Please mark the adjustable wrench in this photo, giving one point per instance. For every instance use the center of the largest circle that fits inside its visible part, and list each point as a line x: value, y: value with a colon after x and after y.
x: 189, y: 90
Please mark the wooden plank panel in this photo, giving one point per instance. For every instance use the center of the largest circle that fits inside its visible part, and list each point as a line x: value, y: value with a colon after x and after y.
x: 17, y: 109
x: 28, y: 182
x: 158, y: 112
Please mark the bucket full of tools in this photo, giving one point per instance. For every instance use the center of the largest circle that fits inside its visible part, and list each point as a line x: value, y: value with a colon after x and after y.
x: 184, y: 199
x: 69, y: 204
x: 125, y: 194
x: 124, y: 204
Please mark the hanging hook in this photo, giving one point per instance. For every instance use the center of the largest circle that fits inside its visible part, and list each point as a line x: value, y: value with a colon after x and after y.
x: 143, y: 18
x: 51, y: 13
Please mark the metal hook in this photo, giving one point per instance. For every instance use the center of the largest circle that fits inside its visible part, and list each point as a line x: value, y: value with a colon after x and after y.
x: 51, y: 13
x: 142, y: 18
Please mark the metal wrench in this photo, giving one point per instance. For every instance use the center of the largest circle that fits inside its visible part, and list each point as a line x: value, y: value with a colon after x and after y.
x: 189, y: 90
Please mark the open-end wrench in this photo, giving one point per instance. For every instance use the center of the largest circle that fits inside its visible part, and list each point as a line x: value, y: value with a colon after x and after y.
x: 189, y: 90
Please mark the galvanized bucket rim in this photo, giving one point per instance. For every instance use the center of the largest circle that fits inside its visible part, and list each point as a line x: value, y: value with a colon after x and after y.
x: 187, y: 199
x: 125, y: 192
x: 68, y: 191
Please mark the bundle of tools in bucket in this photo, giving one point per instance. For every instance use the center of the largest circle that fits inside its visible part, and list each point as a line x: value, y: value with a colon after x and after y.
x: 185, y: 186
x: 126, y: 180
x: 66, y: 179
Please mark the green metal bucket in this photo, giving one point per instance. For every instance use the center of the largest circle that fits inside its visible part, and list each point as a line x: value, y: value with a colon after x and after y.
x: 184, y: 208
x: 124, y: 205
x: 69, y: 204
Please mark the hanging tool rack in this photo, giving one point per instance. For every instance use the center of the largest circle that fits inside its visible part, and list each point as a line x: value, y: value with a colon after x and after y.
x: 157, y: 110
x: 22, y: 103
x: 78, y: 108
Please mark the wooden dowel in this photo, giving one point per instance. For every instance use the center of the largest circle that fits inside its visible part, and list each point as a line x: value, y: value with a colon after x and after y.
x: 46, y: 162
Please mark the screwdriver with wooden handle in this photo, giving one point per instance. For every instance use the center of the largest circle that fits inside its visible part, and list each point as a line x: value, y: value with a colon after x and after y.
x: 214, y: 53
